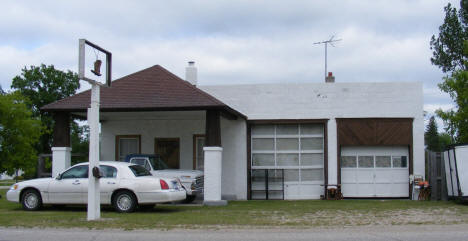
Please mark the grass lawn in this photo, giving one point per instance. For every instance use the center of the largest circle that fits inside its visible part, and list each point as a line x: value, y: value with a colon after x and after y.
x: 245, y: 214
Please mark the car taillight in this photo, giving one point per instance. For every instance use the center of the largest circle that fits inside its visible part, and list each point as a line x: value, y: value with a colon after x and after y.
x: 164, y: 185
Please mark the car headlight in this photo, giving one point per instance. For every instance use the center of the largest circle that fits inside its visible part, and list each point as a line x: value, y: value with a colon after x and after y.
x: 14, y: 187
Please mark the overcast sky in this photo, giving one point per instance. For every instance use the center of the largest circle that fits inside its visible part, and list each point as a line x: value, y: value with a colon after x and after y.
x: 233, y: 41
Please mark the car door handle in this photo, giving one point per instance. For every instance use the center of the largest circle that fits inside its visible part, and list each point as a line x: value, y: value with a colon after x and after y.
x: 110, y: 182
x: 76, y: 183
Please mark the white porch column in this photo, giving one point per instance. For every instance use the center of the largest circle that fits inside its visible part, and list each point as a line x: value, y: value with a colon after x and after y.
x: 332, y: 152
x: 61, y: 159
x: 213, y: 169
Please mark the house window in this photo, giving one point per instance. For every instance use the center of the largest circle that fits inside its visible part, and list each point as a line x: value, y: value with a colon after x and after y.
x: 125, y: 145
x: 198, y: 154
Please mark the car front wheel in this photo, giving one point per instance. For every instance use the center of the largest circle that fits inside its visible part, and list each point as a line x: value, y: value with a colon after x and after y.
x: 124, y: 202
x: 31, y: 200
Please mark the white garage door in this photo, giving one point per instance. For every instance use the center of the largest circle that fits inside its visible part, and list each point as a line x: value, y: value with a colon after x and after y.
x: 295, y: 148
x: 374, y: 171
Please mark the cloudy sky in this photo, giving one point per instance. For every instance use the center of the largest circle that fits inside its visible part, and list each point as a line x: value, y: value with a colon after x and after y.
x: 233, y: 41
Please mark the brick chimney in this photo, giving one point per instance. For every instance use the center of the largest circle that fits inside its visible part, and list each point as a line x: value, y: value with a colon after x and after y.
x: 330, y: 78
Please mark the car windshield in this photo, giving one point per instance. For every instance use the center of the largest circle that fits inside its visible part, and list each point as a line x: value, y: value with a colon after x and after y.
x: 158, y: 163
x: 139, y: 171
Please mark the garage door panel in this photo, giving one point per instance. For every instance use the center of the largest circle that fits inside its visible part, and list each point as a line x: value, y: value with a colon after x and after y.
x: 400, y: 176
x: 364, y: 175
x: 383, y: 190
x: 365, y: 190
x: 400, y: 190
x: 348, y: 176
x: 383, y: 176
x: 349, y: 190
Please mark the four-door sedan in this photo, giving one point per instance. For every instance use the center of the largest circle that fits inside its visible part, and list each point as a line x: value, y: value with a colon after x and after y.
x: 123, y: 185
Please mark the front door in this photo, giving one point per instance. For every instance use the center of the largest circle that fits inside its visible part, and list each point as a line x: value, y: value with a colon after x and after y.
x: 168, y: 149
x: 70, y: 188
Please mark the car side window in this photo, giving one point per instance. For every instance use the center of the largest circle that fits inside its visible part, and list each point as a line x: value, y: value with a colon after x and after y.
x: 76, y: 172
x: 108, y: 171
x: 142, y: 162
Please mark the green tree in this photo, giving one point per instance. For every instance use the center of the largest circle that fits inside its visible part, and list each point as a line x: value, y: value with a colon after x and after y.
x: 450, y: 53
x: 43, y: 85
x: 431, y: 136
x: 19, y: 132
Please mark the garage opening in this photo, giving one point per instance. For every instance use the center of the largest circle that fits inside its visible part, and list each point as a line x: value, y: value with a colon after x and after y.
x: 295, y: 149
x: 370, y: 171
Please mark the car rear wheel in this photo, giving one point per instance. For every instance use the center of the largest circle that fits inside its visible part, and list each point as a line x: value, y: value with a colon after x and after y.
x: 31, y: 200
x: 124, y: 202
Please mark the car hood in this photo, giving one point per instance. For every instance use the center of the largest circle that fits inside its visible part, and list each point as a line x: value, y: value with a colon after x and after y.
x: 36, y: 181
x: 182, y: 174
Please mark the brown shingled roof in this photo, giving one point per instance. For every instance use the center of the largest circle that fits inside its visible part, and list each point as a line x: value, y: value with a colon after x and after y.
x: 154, y: 88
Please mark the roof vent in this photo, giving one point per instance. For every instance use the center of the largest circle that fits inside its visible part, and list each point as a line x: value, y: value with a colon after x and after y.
x: 330, y: 78
x: 191, y: 73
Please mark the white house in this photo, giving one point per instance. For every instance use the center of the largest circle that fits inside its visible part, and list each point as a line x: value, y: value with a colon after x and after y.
x: 261, y: 141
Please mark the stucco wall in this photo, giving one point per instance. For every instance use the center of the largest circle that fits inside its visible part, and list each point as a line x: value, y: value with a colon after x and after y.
x: 234, y: 173
x: 330, y: 101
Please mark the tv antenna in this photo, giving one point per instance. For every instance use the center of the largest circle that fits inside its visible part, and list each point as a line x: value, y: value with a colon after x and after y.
x: 326, y: 42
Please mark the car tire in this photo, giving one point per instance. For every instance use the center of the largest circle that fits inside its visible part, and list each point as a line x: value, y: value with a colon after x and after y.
x: 190, y: 198
x: 124, y: 202
x: 31, y: 200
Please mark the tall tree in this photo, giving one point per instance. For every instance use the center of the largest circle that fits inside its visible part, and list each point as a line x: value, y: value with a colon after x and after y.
x: 19, y: 132
x: 431, y: 136
x: 43, y: 85
x: 450, y: 53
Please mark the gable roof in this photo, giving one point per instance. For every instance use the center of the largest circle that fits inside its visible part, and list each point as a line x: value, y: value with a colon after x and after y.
x: 151, y: 89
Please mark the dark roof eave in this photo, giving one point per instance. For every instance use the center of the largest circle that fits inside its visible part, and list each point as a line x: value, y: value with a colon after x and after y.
x: 141, y: 109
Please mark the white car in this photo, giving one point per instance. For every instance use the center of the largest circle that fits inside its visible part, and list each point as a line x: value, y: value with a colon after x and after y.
x: 123, y: 185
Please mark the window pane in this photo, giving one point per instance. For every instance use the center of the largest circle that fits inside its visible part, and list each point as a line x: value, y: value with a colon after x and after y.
x: 287, y: 159
x: 263, y: 144
x: 348, y: 161
x: 76, y: 172
x: 383, y: 161
x: 108, y: 171
x: 127, y: 146
x: 312, y: 143
x: 258, y: 177
x: 366, y: 161
x: 311, y: 129
x: 286, y: 130
x: 311, y: 159
x: 263, y: 130
x: 291, y: 175
x: 263, y: 160
x: 399, y: 161
x: 283, y: 144
x: 312, y: 174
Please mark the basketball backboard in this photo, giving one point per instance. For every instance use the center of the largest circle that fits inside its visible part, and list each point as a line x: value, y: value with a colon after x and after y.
x: 91, y: 63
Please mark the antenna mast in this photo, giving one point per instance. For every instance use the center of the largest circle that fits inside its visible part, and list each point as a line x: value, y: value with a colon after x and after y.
x: 330, y: 41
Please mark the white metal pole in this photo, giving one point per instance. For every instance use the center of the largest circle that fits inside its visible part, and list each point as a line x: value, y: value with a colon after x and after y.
x: 94, y: 198
x: 325, y: 60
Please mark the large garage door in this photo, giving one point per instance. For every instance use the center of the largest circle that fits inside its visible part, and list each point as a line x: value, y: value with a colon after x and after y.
x: 296, y: 150
x: 374, y: 171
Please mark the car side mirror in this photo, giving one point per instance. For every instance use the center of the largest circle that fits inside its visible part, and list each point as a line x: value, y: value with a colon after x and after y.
x: 97, y: 173
x: 59, y: 176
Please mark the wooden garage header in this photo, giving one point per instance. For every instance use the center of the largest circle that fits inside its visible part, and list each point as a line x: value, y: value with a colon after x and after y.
x: 374, y: 131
